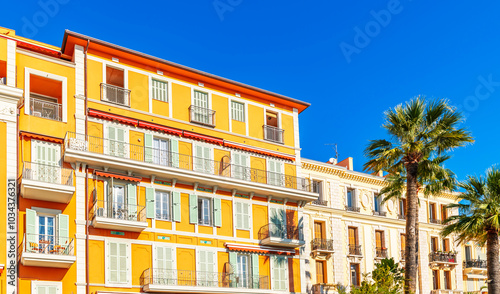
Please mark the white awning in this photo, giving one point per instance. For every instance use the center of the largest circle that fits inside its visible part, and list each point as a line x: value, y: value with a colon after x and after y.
x: 472, y: 276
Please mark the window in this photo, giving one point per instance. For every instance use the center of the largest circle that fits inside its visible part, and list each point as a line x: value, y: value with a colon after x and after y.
x: 46, y: 162
x: 318, y: 230
x: 161, y: 151
x: 200, y: 110
x: 242, y: 214
x: 379, y: 239
x: 403, y: 246
x: 376, y: 202
x: 434, y: 244
x: 46, y: 287
x: 159, y: 90
x: 444, y: 212
x: 113, y: 90
x: 446, y: 245
x: 435, y: 279
x: 45, y: 97
x: 118, y: 259
x: 162, y: 201
x: 402, y: 208
x: 350, y: 198
x: 354, y: 248
x: 203, y: 159
x: 318, y: 188
x: 277, y: 219
x: 279, y: 274
x: 205, y: 211
x: 47, y: 231
x: 321, y: 272
x: 447, y: 280
x: 238, y: 111
x: 116, y: 141
x: 243, y: 269
x: 272, y: 132
x: 120, y: 200
x: 165, y: 265
x: 355, y: 281
x: 432, y: 212
x: 468, y: 253
x: 275, y: 173
x: 240, y: 166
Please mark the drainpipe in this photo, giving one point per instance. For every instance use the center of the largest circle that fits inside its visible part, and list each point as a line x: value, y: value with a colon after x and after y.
x: 86, y: 183
x: 18, y: 111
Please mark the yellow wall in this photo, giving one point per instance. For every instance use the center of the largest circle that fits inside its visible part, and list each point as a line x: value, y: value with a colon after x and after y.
x: 141, y: 260
x: 256, y: 121
x: 227, y: 219
x: 160, y: 107
x: 94, y: 79
x: 182, y: 98
x: 184, y: 225
x: 186, y: 259
x: 239, y: 127
x: 287, y: 125
x: 221, y: 106
x: 138, y: 84
x: 260, y: 219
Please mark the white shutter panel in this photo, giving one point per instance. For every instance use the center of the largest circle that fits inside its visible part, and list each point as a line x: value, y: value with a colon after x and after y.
x: 239, y: 217
x: 160, y: 259
x: 113, y: 262
x: 123, y: 263
x: 132, y: 201
x: 207, y: 157
x: 52, y: 289
x: 41, y: 289
x: 63, y: 229
x: 245, y: 216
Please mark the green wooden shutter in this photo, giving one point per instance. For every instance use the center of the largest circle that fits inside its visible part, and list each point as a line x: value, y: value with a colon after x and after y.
x: 233, y: 260
x: 245, y: 215
x: 174, y: 147
x: 150, y: 203
x: 31, y: 236
x: 161, y: 262
x: 207, y: 156
x: 176, y: 206
x: 121, y: 148
x: 148, y: 148
x: 255, y: 271
x: 63, y: 229
x: 109, y: 143
x: 238, y: 211
x: 217, y: 212
x: 132, y: 200
x: 112, y: 262
x: 123, y: 277
x: 198, y: 158
x: 193, y: 209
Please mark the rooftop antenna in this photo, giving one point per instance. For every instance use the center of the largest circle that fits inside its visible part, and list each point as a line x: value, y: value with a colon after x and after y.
x: 334, y: 147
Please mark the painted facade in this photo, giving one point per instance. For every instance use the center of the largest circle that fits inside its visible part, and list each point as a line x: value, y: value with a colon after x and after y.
x: 137, y: 175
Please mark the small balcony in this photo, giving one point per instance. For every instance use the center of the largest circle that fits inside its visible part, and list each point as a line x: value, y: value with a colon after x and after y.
x: 320, y: 202
x: 187, y: 281
x: 274, y: 134
x: 380, y: 252
x: 322, y: 288
x: 442, y: 259
x: 202, y: 116
x: 275, y: 235
x: 475, y: 266
x: 115, y: 94
x: 352, y: 208
x: 47, y: 182
x: 321, y: 247
x: 355, y: 250
x: 118, y: 216
x: 45, y: 109
x: 379, y: 213
x: 451, y: 292
x: 47, y: 251
x: 435, y: 221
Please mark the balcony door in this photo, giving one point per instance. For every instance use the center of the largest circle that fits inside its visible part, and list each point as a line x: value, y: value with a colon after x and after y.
x: 243, y: 262
x: 115, y: 141
x: 355, y: 281
x: 203, y: 159
x: 275, y: 173
x: 379, y: 240
x: 319, y: 230
x: 164, y: 272
x: 46, y: 158
x: 467, y: 253
x: 161, y: 152
x: 46, y: 233
x: 321, y: 272
x: 115, y: 81
x: 240, y: 166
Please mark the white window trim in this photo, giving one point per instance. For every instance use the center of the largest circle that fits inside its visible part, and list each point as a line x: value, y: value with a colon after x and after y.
x: 161, y: 190
x: 35, y: 284
x: 243, y: 110
x: 152, y: 77
x: 64, y: 96
x: 117, y: 66
x: 250, y: 219
x: 211, y: 211
x: 129, y: 265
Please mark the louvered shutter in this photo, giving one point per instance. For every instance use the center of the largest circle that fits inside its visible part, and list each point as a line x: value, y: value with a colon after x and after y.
x: 217, y: 212
x: 233, y: 260
x: 132, y: 201
x: 176, y: 206
x: 148, y: 148
x: 150, y: 203
x: 193, y: 209
x: 113, y: 262
x: 109, y: 142
x: 52, y: 289
x: 121, y: 146
x: 276, y: 274
x: 63, y: 229
x: 245, y: 216
x: 31, y: 236
x: 174, y: 146
x: 238, y: 213
x: 255, y: 271
x: 123, y: 277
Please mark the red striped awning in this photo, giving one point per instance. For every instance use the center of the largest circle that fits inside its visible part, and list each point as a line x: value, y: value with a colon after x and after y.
x: 157, y: 127
x: 201, y: 137
x: 42, y: 137
x: 244, y: 148
x: 117, y: 176
x: 260, y: 249
x: 110, y: 116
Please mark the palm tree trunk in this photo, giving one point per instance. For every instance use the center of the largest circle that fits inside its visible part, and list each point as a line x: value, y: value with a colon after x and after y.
x: 492, y: 247
x: 411, y: 230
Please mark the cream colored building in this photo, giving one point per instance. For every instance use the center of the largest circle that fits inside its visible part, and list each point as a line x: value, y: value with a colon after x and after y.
x: 347, y: 230
x: 474, y: 268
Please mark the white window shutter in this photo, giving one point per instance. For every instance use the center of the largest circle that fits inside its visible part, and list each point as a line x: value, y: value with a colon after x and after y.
x: 239, y: 217
x: 217, y: 206
x: 123, y: 277
x: 174, y: 146
x: 132, y: 199
x: 245, y: 216
x: 150, y: 202
x: 63, y: 229
x: 112, y: 262
x: 176, y: 206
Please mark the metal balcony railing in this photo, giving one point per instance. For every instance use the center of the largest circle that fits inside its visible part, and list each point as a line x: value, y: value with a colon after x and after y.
x: 401, y: 216
x: 45, y: 109
x: 118, y: 210
x: 380, y: 213
x: 47, y: 173
x: 203, y: 116
x: 273, y: 134
x: 47, y: 244
x: 475, y: 263
x: 322, y: 244
x: 443, y: 257
x: 355, y: 250
x: 189, y: 278
x: 352, y: 208
x: 320, y: 202
x: 115, y: 94
x: 435, y: 221
x: 277, y: 231
x: 452, y: 292
x: 381, y: 252
x: 79, y: 142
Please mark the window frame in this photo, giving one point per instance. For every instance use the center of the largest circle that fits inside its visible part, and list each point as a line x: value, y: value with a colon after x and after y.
x: 169, y: 205
x: 234, y: 111
x: 201, y: 211
x: 248, y: 215
x: 166, y: 90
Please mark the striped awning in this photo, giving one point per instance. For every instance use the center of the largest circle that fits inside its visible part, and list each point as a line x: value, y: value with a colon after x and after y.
x: 117, y: 176
x: 259, y: 249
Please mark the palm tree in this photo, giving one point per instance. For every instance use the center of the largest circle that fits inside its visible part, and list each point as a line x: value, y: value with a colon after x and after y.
x: 421, y: 133
x: 479, y: 220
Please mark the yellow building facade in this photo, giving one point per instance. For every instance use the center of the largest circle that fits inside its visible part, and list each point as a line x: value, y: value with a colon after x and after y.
x: 139, y: 175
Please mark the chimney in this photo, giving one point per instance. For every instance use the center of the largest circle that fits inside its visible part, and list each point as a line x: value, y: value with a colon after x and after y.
x: 347, y: 163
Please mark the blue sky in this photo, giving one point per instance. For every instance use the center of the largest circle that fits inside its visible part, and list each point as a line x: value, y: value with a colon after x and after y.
x: 352, y: 60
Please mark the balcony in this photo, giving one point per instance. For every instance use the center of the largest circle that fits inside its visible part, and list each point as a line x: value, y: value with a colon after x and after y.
x: 442, y: 259
x: 355, y: 250
x: 202, y: 116
x: 114, y: 94
x: 273, y: 134
x: 379, y: 213
x: 45, y: 109
x: 320, y: 202
x: 321, y: 247
x: 475, y: 267
x: 449, y: 292
x: 435, y: 221
x: 47, y: 251
x: 147, y: 161
x: 187, y: 281
x: 352, y: 208
x: 322, y: 288
x: 275, y: 235
x: 380, y: 252
x: 118, y: 216
x: 401, y: 216
x: 47, y: 182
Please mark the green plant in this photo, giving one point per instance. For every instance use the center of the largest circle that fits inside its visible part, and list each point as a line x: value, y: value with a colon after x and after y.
x: 386, y: 278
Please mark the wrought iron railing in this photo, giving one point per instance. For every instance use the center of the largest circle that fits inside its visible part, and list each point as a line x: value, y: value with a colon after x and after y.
x: 159, y: 157
x: 118, y: 210
x: 452, y: 292
x: 381, y: 252
x: 273, y: 134
x: 322, y: 244
x: 320, y: 202
x: 201, y: 115
x: 47, y: 244
x: 435, y: 221
x: 476, y: 263
x: 352, y: 208
x: 401, y: 216
x: 189, y: 278
x: 442, y: 257
x: 115, y: 94
x: 45, y: 109
x: 379, y: 213
x: 277, y: 231
x: 355, y: 250
x: 47, y: 173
